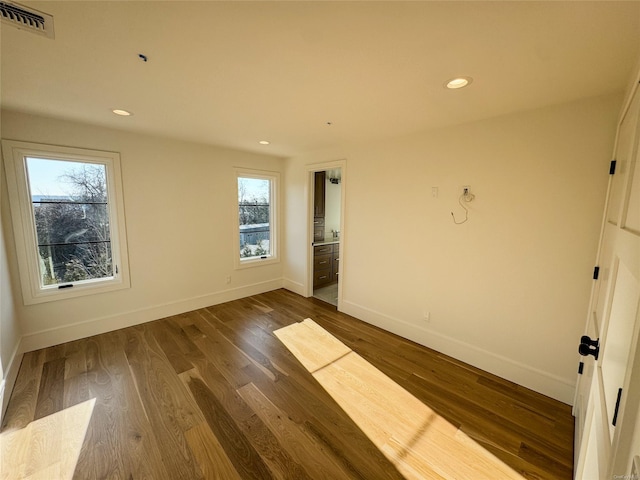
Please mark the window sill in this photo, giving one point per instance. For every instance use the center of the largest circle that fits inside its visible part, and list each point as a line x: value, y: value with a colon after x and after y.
x: 52, y: 294
x: 256, y: 262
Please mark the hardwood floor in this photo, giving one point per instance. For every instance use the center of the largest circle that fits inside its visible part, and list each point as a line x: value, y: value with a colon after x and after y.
x: 216, y: 394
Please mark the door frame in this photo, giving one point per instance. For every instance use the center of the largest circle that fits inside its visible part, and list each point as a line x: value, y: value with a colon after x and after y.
x: 311, y: 170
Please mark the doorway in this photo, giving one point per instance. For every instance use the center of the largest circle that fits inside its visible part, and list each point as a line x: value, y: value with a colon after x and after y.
x: 326, y: 214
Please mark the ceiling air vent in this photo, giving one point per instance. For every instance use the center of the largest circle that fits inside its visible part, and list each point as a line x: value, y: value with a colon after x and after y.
x: 27, y: 19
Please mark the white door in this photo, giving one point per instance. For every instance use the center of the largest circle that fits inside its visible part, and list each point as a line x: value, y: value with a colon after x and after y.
x: 606, y: 402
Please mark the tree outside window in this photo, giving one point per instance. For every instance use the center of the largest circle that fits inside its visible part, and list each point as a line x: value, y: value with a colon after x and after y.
x: 256, y: 219
x: 72, y: 225
x: 68, y: 220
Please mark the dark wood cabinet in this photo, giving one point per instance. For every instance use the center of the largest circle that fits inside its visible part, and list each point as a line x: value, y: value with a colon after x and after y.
x: 318, y: 229
x: 318, y: 206
x: 325, y: 264
x: 321, y: 278
x: 322, y: 249
x: 319, y: 194
x: 335, y: 259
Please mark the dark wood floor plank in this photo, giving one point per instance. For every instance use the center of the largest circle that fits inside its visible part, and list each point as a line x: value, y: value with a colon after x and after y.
x: 268, y: 345
x: 214, y: 393
x: 168, y: 341
x: 237, y: 447
x: 226, y: 395
x: 354, y: 452
x: 192, y: 332
x: 75, y: 358
x: 184, y: 334
x: 318, y: 414
x: 76, y: 382
x: 51, y: 391
x: 22, y: 404
x: 466, y: 386
x: 169, y: 409
x: 54, y: 353
x: 533, y: 400
x: 228, y: 360
x: 280, y: 463
x: 303, y: 448
x: 76, y: 390
x: 245, y: 341
x: 101, y: 455
x: 534, y: 456
x: 528, y: 470
x: 117, y: 444
x: 158, y: 385
x: 141, y: 444
x: 211, y: 457
x: 487, y: 427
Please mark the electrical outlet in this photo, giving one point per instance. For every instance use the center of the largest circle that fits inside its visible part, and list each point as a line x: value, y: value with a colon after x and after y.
x: 427, y: 317
x: 228, y: 279
x: 467, y: 196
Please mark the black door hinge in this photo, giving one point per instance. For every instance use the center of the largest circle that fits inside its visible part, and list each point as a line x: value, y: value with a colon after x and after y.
x: 596, y: 272
x: 580, y: 368
x: 612, y: 167
x: 615, y: 412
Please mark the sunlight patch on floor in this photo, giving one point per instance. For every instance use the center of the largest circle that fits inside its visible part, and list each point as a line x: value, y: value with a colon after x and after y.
x: 419, y: 442
x: 47, y: 448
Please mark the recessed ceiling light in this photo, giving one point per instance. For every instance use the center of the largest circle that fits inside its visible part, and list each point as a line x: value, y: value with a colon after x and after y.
x: 122, y: 113
x: 458, y: 82
x: 264, y: 142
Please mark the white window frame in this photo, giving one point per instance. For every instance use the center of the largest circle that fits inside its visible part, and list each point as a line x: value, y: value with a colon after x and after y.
x: 274, y: 205
x: 15, y: 154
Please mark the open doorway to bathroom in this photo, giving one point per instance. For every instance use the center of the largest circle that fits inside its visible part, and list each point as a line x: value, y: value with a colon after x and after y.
x: 327, y: 220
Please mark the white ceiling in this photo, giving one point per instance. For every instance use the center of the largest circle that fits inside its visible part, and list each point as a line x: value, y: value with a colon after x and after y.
x: 234, y: 73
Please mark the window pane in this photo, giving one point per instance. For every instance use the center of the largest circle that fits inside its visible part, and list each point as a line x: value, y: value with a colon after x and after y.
x: 71, y: 216
x: 71, y: 222
x: 67, y: 181
x: 254, y: 213
x: 73, y: 263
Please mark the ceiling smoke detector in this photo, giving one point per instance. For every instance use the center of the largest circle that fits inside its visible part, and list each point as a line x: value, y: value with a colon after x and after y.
x: 28, y: 19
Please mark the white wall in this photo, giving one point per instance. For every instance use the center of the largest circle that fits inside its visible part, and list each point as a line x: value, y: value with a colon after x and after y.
x: 9, y: 325
x: 179, y: 201
x: 508, y: 290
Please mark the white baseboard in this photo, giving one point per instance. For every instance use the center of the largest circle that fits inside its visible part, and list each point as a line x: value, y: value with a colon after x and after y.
x: 540, y: 381
x: 67, y: 333
x: 295, y: 287
x: 11, y: 374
